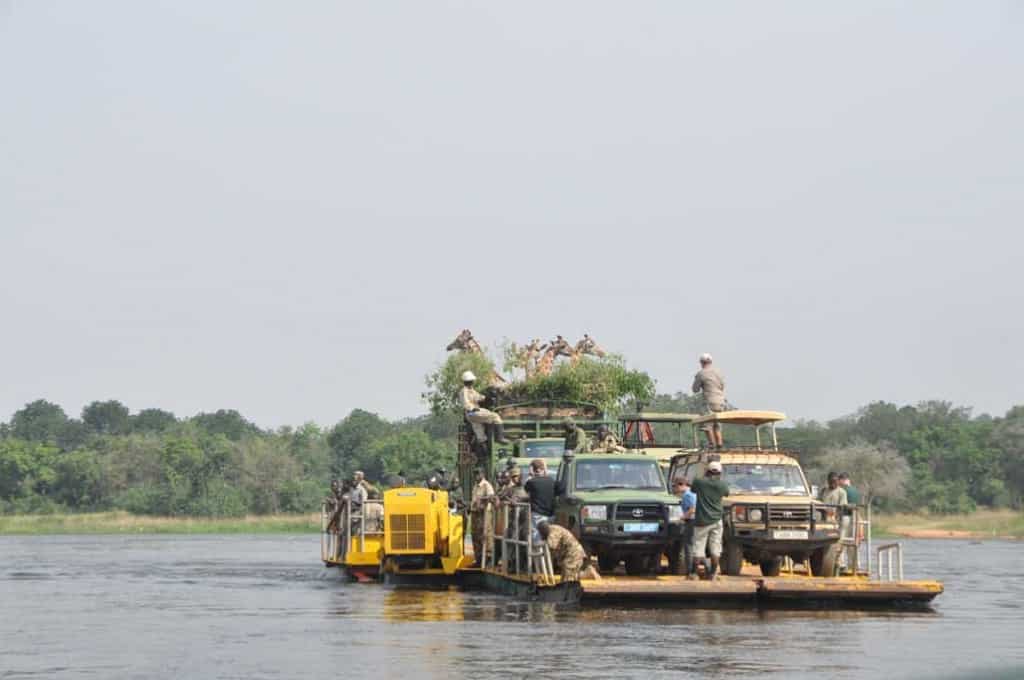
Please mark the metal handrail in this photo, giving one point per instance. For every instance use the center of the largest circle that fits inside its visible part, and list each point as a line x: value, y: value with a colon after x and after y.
x: 890, y: 562
x: 538, y: 558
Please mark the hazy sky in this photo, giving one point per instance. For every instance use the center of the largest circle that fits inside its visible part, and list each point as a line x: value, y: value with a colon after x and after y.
x: 291, y: 208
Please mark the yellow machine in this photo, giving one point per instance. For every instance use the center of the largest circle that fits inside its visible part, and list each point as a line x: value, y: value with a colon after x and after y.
x: 421, y: 533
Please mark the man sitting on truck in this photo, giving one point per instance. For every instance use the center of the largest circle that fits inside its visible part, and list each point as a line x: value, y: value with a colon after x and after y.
x: 606, y: 442
x: 477, y: 416
x: 575, y: 438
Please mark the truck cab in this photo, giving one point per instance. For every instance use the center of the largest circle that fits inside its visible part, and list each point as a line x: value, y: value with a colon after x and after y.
x: 770, y: 512
x: 617, y: 506
x: 526, y: 449
x: 659, y: 434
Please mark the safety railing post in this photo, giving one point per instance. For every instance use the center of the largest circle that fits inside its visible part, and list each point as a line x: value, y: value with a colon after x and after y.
x: 529, y: 543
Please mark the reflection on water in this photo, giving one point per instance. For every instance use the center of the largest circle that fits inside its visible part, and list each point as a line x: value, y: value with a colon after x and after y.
x: 256, y: 607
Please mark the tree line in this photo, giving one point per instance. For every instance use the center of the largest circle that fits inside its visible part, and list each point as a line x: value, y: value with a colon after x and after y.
x: 933, y: 456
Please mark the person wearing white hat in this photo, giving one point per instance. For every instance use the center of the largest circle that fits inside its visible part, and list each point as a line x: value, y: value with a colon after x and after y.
x: 711, y: 384
x: 707, y: 520
x: 475, y: 414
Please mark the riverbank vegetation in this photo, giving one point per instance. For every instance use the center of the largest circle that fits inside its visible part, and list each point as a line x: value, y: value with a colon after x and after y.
x: 933, y: 457
x: 1003, y: 523
x: 121, y: 522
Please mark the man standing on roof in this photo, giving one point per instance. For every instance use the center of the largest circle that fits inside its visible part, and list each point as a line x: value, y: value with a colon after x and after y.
x: 711, y: 383
x: 470, y: 400
x: 575, y: 438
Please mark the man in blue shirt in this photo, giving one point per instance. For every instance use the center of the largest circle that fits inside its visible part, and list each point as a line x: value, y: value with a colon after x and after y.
x: 688, y: 502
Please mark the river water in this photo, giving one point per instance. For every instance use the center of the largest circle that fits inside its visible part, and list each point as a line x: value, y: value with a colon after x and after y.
x: 264, y: 607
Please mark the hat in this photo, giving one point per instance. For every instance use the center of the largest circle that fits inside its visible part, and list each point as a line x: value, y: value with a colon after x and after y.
x: 705, y: 358
x: 715, y: 466
x: 568, y: 422
x: 468, y: 376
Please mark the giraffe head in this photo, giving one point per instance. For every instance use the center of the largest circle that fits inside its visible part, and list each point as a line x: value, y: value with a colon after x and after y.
x: 463, y: 341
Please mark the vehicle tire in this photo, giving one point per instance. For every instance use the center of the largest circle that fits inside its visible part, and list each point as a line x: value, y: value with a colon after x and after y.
x: 771, y: 567
x: 824, y: 561
x: 607, y: 563
x: 732, y: 558
x: 639, y: 565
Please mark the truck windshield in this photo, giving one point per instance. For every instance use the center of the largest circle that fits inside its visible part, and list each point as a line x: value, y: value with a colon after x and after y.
x: 776, y: 480
x: 524, y: 470
x: 624, y: 474
x: 544, y: 449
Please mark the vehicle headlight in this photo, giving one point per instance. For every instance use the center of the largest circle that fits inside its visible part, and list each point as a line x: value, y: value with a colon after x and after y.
x: 594, y: 512
x: 827, y: 515
x: 675, y: 513
x: 739, y: 513
x: 755, y: 514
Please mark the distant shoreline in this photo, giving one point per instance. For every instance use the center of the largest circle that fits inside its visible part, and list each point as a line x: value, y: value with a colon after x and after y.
x: 983, y: 524
x: 124, y: 523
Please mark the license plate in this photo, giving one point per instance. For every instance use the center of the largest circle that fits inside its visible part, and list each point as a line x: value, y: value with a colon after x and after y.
x: 789, y: 533
x: 641, y: 528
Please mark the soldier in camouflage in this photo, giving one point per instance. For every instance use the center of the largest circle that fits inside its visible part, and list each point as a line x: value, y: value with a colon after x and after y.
x: 567, y: 555
x: 575, y: 438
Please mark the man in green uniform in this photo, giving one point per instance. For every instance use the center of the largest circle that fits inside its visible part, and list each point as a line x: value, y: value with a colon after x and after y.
x: 707, y: 529
x: 575, y: 438
x: 567, y: 554
x: 852, y: 493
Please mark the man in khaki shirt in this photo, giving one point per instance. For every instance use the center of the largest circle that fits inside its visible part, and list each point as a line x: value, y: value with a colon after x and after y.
x: 711, y: 384
x: 480, y: 515
x: 470, y: 401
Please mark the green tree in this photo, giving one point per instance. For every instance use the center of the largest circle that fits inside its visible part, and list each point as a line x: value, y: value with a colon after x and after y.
x: 877, y: 470
x: 350, y: 438
x: 106, y: 417
x: 412, y: 453
x: 39, y: 421
x: 153, y: 420
x: 227, y: 422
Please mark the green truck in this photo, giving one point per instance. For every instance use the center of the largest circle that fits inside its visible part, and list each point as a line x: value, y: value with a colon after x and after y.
x: 535, y: 431
x: 617, y: 505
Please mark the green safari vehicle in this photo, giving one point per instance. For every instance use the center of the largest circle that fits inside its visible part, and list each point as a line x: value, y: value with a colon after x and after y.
x: 617, y: 505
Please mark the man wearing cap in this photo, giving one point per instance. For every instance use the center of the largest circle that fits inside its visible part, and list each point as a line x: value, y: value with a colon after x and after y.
x: 707, y: 519
x: 477, y: 416
x: 480, y: 514
x: 567, y: 554
x: 711, y: 384
x: 575, y: 438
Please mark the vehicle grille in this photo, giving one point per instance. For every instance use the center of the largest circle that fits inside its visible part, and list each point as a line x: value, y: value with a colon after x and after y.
x: 789, y: 513
x: 647, y: 512
x: 408, y: 532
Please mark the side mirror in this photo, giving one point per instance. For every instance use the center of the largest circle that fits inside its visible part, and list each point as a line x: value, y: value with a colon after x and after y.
x: 814, y: 490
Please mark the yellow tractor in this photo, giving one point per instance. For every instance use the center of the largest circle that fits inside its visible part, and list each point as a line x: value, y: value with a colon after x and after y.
x: 423, y: 535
